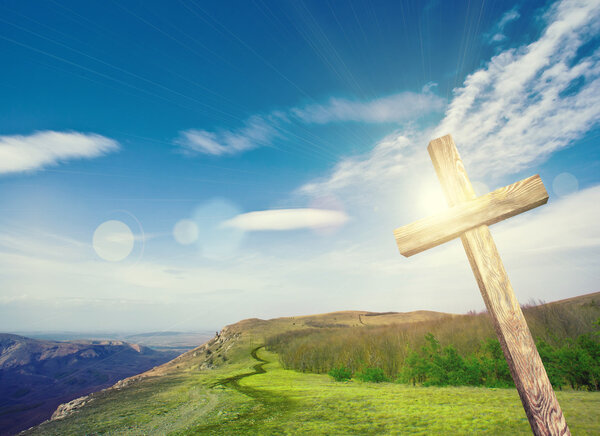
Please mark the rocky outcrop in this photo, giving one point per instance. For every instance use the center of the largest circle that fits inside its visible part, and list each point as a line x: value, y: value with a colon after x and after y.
x: 67, y: 408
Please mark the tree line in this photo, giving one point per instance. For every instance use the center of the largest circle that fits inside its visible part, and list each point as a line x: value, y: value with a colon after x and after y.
x: 455, y: 351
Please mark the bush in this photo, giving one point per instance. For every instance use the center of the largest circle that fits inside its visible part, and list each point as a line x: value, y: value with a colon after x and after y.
x: 340, y: 374
x: 374, y: 375
x: 437, y: 366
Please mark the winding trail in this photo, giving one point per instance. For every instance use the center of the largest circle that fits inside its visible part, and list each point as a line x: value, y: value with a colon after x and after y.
x: 271, y: 404
x: 233, y: 381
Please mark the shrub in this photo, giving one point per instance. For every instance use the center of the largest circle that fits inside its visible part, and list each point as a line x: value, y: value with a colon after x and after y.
x: 340, y: 374
x: 374, y: 375
x: 437, y: 366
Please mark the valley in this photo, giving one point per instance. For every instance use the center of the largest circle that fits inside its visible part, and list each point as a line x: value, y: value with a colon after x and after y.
x: 38, y: 375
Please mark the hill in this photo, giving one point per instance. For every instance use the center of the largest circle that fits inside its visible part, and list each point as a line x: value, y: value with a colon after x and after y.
x: 37, y: 375
x: 232, y: 385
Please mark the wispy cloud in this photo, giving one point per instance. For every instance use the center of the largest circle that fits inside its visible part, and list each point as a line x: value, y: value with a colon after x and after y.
x: 508, y: 17
x: 287, y: 219
x: 259, y: 131
x: 25, y: 153
x: 390, y: 159
x: 256, y: 132
x: 395, y: 108
x: 531, y: 101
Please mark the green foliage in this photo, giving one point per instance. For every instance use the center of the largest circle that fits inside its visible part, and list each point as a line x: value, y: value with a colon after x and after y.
x: 373, y: 375
x: 340, y: 374
x: 437, y: 366
x: 573, y: 362
x: 576, y: 363
x: 461, y: 350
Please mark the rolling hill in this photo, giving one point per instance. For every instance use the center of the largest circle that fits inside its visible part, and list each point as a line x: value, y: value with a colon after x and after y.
x: 233, y: 385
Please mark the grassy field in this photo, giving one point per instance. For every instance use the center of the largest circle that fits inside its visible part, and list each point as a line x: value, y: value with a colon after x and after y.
x: 281, y: 401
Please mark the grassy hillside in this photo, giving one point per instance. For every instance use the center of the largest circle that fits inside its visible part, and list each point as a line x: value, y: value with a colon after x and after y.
x: 232, y: 385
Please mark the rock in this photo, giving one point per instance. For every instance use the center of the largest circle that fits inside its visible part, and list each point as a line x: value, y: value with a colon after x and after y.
x: 66, y: 409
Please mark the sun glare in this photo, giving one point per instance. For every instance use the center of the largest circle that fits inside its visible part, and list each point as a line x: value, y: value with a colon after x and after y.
x: 431, y: 199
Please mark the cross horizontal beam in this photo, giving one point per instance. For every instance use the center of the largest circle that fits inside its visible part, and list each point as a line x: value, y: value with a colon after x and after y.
x: 488, y: 209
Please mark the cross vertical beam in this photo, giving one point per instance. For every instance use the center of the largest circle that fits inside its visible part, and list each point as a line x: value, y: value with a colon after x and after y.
x: 526, y: 367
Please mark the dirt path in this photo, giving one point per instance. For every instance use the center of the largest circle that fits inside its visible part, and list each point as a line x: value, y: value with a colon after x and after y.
x: 268, y: 405
x: 233, y: 382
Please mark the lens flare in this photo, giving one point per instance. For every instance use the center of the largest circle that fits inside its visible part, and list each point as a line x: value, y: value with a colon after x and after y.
x: 113, y: 240
x: 185, y: 232
x: 565, y: 184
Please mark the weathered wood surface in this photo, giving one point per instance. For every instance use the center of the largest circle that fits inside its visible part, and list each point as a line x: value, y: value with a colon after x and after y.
x: 485, y: 210
x: 541, y: 406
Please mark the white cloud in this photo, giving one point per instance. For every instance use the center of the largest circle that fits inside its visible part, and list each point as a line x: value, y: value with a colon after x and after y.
x: 287, y: 219
x: 507, y: 17
x: 391, y: 159
x: 260, y: 131
x: 25, y: 153
x: 567, y: 224
x: 397, y: 108
x: 531, y: 101
x: 257, y: 132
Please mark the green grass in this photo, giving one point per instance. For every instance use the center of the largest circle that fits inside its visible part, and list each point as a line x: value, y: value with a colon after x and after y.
x: 281, y: 401
x: 315, y: 404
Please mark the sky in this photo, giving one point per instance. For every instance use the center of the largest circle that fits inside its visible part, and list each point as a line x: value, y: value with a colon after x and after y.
x: 184, y: 165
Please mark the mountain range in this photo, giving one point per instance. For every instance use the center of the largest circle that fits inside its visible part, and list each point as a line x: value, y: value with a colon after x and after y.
x: 38, y: 375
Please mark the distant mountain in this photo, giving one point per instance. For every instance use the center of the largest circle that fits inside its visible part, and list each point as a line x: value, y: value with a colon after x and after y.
x: 38, y: 375
x: 162, y: 340
x: 179, y: 342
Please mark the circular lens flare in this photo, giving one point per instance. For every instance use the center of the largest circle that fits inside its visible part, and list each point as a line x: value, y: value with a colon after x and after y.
x: 185, y: 232
x: 565, y: 184
x: 113, y: 240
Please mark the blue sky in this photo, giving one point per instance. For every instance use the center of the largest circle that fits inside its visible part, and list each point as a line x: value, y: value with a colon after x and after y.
x: 183, y: 165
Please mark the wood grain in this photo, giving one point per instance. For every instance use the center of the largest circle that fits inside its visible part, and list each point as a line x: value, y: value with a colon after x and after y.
x: 541, y: 406
x: 485, y: 210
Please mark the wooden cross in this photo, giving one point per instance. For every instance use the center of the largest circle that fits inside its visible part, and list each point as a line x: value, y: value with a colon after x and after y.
x: 469, y: 217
